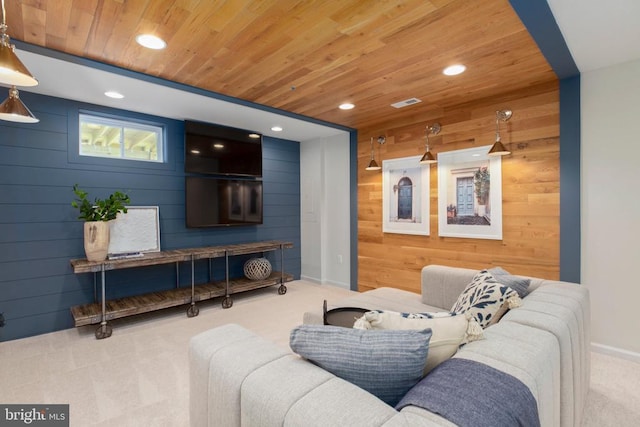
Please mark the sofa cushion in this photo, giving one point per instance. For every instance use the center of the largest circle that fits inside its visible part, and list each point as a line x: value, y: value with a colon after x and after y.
x: 448, y: 330
x: 486, y: 299
x: 517, y: 283
x: 386, y: 363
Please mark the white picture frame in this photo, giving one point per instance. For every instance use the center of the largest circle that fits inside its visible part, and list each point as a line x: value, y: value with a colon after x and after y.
x: 405, y: 196
x: 137, y: 231
x: 456, y: 178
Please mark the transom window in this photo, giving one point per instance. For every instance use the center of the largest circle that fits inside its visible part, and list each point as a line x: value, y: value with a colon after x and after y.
x: 120, y: 139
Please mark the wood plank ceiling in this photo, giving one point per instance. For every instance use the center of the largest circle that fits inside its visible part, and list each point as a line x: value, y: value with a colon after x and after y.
x: 303, y: 56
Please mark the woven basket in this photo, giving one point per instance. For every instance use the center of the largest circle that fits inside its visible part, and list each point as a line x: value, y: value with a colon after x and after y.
x: 257, y: 268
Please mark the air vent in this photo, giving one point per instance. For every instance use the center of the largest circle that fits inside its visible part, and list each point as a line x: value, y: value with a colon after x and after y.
x: 406, y: 103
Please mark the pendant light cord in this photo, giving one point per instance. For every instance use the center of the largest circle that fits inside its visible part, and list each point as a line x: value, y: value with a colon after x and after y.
x: 3, y: 28
x: 4, y: 16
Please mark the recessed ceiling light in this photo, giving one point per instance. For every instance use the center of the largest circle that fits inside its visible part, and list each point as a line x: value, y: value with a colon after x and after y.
x: 346, y: 106
x: 276, y: 129
x: 151, y: 41
x: 194, y: 151
x: 254, y: 135
x: 454, y: 70
x: 113, y: 94
x: 218, y: 145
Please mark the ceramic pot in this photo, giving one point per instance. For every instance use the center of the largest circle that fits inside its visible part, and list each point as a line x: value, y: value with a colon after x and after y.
x: 96, y: 240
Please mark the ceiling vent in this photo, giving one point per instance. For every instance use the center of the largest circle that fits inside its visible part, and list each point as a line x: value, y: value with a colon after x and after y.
x: 406, y: 103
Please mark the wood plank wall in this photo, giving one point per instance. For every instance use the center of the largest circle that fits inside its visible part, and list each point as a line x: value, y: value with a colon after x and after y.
x: 530, y: 191
x: 40, y: 232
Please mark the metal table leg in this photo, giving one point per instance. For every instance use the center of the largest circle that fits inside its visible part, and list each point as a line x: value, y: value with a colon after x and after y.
x: 282, y: 289
x: 104, y: 330
x: 227, y: 302
x: 193, y: 309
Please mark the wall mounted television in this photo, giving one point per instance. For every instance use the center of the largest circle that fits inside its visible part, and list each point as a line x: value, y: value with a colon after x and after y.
x: 220, y: 150
x: 216, y: 202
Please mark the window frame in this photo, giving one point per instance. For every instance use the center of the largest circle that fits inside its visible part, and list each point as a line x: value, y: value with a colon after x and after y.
x: 172, y: 137
x: 123, y: 123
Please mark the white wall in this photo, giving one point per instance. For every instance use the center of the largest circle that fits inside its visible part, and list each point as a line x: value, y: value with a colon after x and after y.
x: 610, y: 133
x: 325, y: 202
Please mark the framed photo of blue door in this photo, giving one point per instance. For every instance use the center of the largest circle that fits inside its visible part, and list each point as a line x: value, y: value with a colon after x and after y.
x: 405, y: 196
x: 470, y: 194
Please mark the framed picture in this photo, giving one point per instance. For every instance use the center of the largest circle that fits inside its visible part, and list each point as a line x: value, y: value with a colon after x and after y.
x: 470, y: 194
x: 136, y: 231
x: 405, y: 196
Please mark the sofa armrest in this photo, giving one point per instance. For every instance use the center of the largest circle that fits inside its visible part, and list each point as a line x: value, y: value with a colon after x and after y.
x: 220, y: 359
x: 441, y: 285
x: 240, y: 379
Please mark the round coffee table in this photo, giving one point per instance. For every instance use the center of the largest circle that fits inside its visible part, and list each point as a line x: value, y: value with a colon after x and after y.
x: 342, y: 316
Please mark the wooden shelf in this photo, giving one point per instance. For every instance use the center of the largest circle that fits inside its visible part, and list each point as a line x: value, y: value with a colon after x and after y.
x: 177, y: 255
x: 91, y: 314
x: 104, y: 311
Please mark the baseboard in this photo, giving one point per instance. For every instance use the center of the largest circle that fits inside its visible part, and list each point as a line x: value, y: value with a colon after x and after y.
x: 338, y: 284
x: 616, y: 352
x: 326, y: 282
x: 310, y: 279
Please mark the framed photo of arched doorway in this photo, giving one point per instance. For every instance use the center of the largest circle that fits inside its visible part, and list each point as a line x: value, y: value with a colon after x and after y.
x: 405, y: 196
x: 470, y: 194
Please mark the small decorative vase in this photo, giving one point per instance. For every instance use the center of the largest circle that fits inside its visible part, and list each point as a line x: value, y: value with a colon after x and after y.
x: 96, y: 240
x: 257, y: 268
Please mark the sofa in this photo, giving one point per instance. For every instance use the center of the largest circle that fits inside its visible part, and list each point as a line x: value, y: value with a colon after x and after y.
x: 240, y: 379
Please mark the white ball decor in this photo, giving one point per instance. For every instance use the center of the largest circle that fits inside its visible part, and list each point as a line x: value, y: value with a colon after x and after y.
x: 257, y: 268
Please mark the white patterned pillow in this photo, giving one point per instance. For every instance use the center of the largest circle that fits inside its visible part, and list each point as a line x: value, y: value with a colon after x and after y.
x: 486, y: 299
x: 449, y: 330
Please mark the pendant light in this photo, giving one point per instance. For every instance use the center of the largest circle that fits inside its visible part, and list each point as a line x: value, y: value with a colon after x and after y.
x: 498, y: 149
x: 429, y: 158
x: 12, y: 70
x: 13, y: 73
x: 13, y: 109
x: 373, y: 165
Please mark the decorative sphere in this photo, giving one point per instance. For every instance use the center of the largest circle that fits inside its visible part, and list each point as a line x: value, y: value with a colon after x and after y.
x: 257, y: 268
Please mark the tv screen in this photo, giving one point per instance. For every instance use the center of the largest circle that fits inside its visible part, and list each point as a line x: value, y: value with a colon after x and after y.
x: 220, y: 150
x: 214, y: 202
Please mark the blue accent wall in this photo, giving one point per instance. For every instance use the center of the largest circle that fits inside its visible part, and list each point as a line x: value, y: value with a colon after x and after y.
x: 40, y: 232
x: 570, y: 238
x: 541, y: 24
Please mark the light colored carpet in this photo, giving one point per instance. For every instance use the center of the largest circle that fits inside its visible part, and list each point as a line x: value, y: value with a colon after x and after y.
x: 139, y: 376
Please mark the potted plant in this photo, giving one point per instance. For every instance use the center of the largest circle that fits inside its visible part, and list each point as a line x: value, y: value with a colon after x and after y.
x: 451, y: 211
x: 97, y: 215
x: 482, y: 183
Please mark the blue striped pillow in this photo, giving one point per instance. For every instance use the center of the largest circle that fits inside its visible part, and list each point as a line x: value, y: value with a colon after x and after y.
x: 386, y: 363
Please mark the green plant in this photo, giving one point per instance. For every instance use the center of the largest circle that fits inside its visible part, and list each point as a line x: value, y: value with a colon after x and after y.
x: 482, y: 182
x: 99, y: 209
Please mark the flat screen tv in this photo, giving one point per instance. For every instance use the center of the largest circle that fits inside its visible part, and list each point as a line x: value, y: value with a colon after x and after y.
x: 217, y: 202
x: 221, y: 150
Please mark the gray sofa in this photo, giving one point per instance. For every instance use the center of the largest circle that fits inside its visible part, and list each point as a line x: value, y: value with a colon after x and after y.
x: 240, y: 379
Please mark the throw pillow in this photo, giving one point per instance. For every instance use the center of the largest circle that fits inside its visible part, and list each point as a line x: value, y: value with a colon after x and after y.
x: 384, y: 363
x: 518, y: 284
x: 486, y: 299
x: 448, y: 330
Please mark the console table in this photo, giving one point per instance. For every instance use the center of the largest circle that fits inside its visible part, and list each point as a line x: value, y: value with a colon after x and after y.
x: 103, y: 311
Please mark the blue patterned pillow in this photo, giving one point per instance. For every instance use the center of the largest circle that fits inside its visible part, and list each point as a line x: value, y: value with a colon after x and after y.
x: 486, y: 299
x: 386, y: 363
x: 518, y: 284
